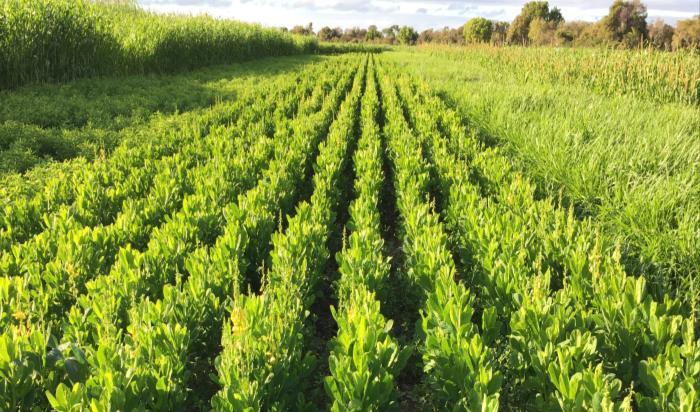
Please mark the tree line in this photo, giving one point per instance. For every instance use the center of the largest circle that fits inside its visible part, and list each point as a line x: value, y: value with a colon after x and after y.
x: 538, y: 24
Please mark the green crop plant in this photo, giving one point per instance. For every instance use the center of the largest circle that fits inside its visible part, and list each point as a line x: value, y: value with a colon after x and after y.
x: 350, y: 232
x: 59, y: 40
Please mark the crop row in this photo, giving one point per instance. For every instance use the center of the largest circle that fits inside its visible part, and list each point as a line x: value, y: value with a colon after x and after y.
x: 265, y: 362
x: 365, y: 359
x: 94, y: 193
x: 458, y: 368
x: 571, y: 328
x: 188, y: 327
x: 64, y: 259
x: 202, y: 288
x: 43, y: 125
x: 91, y: 347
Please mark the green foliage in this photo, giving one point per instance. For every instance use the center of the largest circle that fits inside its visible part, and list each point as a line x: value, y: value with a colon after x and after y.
x: 687, y: 34
x: 519, y: 30
x: 519, y: 249
x: 478, y: 30
x: 661, y: 35
x: 365, y: 360
x: 42, y: 125
x: 328, y: 34
x: 626, y: 22
x: 265, y: 363
x: 458, y: 366
x: 407, y: 35
x: 190, y: 268
x: 58, y: 40
x: 373, y: 33
x: 111, y: 303
x: 645, y: 74
x: 542, y: 32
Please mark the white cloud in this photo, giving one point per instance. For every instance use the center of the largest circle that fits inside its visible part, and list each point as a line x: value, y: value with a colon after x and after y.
x: 421, y: 14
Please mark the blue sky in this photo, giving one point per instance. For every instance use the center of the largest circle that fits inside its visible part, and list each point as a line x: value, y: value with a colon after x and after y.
x: 421, y: 14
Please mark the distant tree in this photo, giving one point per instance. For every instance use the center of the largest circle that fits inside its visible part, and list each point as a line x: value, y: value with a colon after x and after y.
x: 542, y: 32
x: 426, y: 36
x: 354, y: 35
x: 391, y: 31
x: 593, y: 35
x: 373, y: 33
x: 517, y: 33
x: 554, y: 16
x: 456, y: 36
x: 687, y: 34
x: 449, y: 35
x: 389, y: 34
x: 500, y: 32
x: 328, y: 34
x: 478, y: 30
x: 626, y: 23
x: 284, y: 29
x: 325, y: 34
x: 520, y: 28
x: 661, y: 35
x: 407, y: 35
x: 307, y: 30
x: 571, y: 32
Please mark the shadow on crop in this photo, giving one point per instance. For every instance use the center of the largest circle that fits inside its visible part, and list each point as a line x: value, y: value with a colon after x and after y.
x: 84, y: 118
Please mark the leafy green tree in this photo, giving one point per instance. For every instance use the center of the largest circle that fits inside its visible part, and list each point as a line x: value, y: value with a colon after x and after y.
x: 542, y: 32
x: 478, y: 30
x: 391, y: 31
x: 571, y: 32
x: 519, y: 30
x: 592, y: 35
x: 626, y: 23
x: 373, y: 33
x: 325, y: 34
x: 500, y: 32
x: 687, y: 34
x: 307, y: 30
x: 661, y: 35
x: 407, y: 35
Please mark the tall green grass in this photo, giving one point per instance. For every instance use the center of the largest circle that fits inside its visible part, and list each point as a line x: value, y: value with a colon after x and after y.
x: 647, y: 73
x: 630, y: 162
x: 59, y: 40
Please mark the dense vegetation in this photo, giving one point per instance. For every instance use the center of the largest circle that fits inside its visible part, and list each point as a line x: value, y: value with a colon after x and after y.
x: 58, y: 40
x: 647, y: 74
x: 624, y: 27
x: 435, y: 228
x: 356, y: 232
x: 89, y: 118
x: 619, y: 155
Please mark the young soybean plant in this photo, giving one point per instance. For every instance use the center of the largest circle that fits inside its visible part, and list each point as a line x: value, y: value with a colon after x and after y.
x: 575, y: 347
x: 459, y: 367
x: 162, y: 332
x: 563, y: 376
x: 265, y: 362
x: 365, y: 359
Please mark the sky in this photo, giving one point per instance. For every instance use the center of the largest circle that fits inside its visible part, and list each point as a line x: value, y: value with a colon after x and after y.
x: 421, y: 14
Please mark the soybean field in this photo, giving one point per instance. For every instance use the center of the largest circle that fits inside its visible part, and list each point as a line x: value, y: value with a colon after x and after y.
x: 348, y: 232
